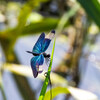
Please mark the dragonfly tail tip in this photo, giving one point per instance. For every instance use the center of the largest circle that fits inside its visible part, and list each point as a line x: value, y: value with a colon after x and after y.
x: 53, y: 31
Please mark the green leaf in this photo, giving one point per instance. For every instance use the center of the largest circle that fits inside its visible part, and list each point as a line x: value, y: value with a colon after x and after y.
x: 56, y: 91
x: 92, y: 7
x: 45, y: 84
x: 1, y: 85
x: 27, y: 72
x: 24, y: 13
x: 34, y: 17
x: 78, y: 94
x: 46, y: 24
x: 66, y: 16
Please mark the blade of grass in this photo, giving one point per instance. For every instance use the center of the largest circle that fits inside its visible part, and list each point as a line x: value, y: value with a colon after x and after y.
x: 92, y: 7
x: 26, y: 71
x: 1, y: 86
x: 66, y: 17
x: 78, y: 94
x: 45, y: 84
x: 56, y: 91
x: 2, y: 90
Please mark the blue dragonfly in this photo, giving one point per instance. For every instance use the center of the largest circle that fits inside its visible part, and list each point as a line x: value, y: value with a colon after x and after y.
x: 38, y: 52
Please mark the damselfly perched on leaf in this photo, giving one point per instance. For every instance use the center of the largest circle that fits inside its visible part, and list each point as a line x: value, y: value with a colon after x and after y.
x: 39, y: 52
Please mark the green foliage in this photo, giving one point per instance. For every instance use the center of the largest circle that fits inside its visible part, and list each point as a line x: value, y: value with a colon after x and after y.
x: 78, y: 94
x: 92, y: 7
x: 60, y: 82
x: 56, y: 91
x: 67, y: 15
x: 8, y: 38
x: 1, y: 85
x: 26, y: 71
x: 45, y: 84
x: 46, y: 24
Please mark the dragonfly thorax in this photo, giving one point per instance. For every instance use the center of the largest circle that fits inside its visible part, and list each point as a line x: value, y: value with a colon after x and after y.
x: 37, y: 54
x: 46, y: 55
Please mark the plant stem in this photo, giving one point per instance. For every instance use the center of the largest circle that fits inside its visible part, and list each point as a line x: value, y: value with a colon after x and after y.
x: 45, y: 84
x: 1, y: 87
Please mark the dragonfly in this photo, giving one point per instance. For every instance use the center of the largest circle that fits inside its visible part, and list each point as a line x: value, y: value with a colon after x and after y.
x: 38, y: 52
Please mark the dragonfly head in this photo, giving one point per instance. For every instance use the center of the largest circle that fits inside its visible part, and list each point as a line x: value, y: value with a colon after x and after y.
x: 46, y: 55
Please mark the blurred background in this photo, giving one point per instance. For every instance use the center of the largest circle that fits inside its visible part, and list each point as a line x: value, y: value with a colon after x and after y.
x: 76, y: 60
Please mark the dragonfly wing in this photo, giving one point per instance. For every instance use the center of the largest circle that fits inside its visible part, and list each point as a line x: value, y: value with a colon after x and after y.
x: 47, y: 40
x: 45, y: 44
x: 35, y: 62
x: 47, y: 61
x: 38, y: 45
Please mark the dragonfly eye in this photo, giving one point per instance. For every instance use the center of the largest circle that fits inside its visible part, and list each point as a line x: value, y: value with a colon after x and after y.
x: 46, y: 55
